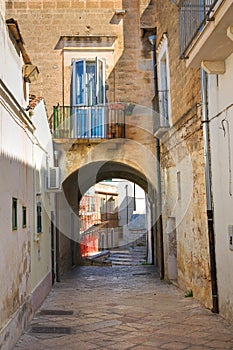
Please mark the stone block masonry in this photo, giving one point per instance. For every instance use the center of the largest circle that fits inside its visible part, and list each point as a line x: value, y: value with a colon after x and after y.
x: 182, y: 152
x: 43, y: 22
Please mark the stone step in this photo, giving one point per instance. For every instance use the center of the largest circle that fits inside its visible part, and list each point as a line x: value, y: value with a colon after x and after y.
x: 126, y: 259
x: 128, y: 255
x: 115, y: 258
x: 119, y: 263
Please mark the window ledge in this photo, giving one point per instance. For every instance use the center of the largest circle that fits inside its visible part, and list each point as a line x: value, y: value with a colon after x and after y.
x: 161, y: 131
x: 86, y: 41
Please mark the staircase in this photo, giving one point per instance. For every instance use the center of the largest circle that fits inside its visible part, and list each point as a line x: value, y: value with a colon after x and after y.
x: 128, y: 256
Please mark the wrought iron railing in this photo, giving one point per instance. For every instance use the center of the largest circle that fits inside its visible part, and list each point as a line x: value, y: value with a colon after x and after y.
x: 193, y: 16
x: 94, y: 122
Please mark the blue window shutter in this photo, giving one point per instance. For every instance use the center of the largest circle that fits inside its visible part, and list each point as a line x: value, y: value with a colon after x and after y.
x: 78, y: 94
x: 100, y: 81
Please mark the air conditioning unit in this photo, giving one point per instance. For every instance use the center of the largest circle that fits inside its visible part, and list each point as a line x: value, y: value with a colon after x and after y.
x: 54, y: 181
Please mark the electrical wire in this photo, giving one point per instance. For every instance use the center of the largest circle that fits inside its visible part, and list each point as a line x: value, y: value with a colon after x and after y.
x: 226, y: 131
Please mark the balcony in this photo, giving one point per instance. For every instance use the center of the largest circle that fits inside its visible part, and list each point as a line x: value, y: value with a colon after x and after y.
x: 205, y: 33
x: 161, y: 122
x: 94, y: 122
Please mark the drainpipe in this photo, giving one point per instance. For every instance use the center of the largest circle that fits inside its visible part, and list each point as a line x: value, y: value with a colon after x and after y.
x: 209, y: 201
x: 63, y: 80
x: 56, y: 155
x: 159, y: 219
x: 152, y: 40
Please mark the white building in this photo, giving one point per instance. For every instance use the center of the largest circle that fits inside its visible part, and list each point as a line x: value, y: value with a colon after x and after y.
x: 220, y: 106
x: 25, y: 153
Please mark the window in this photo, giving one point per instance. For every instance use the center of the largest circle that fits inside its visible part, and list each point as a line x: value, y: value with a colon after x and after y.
x: 102, y: 205
x: 111, y: 205
x: 164, y: 84
x: 39, y: 217
x: 24, y: 217
x: 88, y: 82
x: 88, y: 98
x: 14, y: 214
x: 163, y: 96
x: 120, y: 233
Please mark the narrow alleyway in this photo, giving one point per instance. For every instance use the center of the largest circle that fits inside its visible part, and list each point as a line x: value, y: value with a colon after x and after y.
x: 123, y: 308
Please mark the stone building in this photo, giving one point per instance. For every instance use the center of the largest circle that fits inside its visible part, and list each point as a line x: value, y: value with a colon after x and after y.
x: 182, y: 158
x: 207, y: 46
x: 57, y: 32
x: 98, y: 213
x: 96, y: 68
x: 99, y: 70
x: 194, y: 64
x: 96, y: 64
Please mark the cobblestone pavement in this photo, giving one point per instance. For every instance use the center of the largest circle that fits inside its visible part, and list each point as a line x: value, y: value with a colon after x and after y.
x: 123, y: 308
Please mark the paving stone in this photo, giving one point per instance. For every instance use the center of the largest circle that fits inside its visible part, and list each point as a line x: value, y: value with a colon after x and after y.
x: 175, y: 346
x: 125, y: 308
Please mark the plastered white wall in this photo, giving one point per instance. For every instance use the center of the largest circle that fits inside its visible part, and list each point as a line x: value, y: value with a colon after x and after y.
x: 221, y: 130
x: 43, y: 158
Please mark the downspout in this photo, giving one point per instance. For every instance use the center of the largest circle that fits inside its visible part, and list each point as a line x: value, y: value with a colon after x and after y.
x: 209, y: 201
x: 159, y: 220
x: 63, y: 80
x: 152, y: 40
x: 57, y: 241
x: 57, y: 232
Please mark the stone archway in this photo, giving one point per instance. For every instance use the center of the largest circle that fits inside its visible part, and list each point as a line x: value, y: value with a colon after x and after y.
x: 79, y: 181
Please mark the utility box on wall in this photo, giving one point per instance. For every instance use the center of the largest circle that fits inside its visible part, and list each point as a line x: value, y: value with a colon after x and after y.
x: 230, y: 235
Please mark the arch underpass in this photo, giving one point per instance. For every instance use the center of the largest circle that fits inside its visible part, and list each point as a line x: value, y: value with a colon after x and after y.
x: 76, y: 185
x: 86, y: 162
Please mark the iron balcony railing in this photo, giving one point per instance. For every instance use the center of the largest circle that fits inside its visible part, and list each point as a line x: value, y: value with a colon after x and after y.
x: 94, y: 122
x: 193, y: 16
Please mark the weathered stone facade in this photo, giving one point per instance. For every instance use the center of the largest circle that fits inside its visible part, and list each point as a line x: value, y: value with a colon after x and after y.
x: 129, y: 75
x: 182, y: 166
x: 121, y: 39
x: 130, y: 79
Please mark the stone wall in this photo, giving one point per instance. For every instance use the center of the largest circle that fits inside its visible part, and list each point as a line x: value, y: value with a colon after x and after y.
x: 43, y: 22
x: 184, y: 83
x: 182, y: 152
x: 129, y: 73
x: 182, y: 166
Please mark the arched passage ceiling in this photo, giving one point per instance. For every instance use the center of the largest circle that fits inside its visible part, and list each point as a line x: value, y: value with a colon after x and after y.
x: 81, y: 180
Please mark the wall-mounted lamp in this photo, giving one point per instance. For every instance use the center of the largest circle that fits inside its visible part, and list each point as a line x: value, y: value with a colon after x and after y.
x: 56, y: 153
x: 30, y: 73
x: 152, y: 39
x: 120, y: 12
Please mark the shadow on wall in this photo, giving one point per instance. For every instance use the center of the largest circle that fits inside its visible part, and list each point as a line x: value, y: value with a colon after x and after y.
x: 134, y: 68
